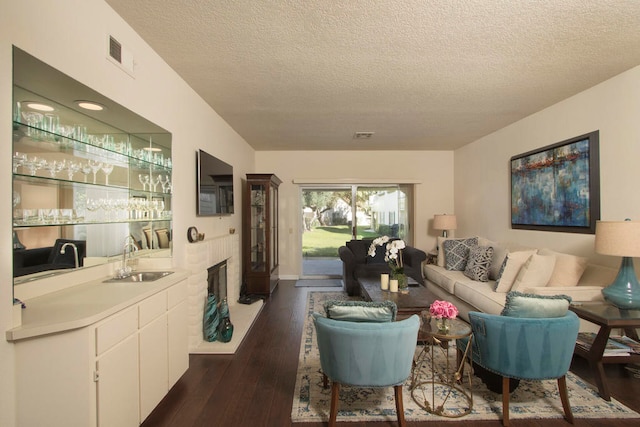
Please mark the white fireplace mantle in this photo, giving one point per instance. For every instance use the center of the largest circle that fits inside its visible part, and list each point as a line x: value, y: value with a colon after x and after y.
x: 199, y: 257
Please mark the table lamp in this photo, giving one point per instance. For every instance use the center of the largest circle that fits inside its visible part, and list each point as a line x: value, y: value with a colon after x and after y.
x: 621, y: 238
x: 445, y: 223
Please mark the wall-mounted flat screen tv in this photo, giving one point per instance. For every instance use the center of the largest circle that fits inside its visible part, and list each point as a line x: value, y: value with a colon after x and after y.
x: 214, y: 185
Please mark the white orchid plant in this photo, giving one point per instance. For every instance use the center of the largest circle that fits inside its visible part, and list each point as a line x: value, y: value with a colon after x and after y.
x: 393, y: 254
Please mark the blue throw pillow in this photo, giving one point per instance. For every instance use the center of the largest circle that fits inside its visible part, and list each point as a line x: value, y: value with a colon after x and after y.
x: 519, y: 304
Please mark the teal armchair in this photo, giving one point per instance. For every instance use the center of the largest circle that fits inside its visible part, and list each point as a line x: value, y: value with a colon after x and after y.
x: 525, y: 348
x: 366, y: 354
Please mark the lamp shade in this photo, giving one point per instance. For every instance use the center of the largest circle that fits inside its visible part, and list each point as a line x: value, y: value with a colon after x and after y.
x: 444, y: 222
x: 618, y: 238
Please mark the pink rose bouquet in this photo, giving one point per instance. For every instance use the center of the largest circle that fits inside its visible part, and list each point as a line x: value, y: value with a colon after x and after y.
x: 443, y: 310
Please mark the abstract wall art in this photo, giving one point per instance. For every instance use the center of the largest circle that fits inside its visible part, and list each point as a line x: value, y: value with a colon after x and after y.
x: 557, y: 187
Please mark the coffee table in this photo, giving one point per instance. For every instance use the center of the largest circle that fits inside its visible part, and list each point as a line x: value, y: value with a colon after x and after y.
x: 607, y: 317
x: 415, y: 300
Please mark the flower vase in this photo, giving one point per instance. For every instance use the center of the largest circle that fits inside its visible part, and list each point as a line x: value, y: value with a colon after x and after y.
x: 442, y: 324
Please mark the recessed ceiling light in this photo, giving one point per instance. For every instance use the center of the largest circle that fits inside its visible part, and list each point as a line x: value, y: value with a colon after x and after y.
x: 90, y: 105
x: 38, y: 106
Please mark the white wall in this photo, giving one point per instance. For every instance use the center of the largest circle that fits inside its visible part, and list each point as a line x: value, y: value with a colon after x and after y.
x: 434, y: 194
x: 70, y: 35
x: 482, y: 179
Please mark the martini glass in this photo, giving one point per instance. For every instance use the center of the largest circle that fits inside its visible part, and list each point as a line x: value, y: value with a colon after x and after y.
x: 144, y: 180
x: 95, y: 167
x: 107, y: 168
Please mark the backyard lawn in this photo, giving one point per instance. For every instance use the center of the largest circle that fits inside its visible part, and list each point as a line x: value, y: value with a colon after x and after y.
x: 325, y: 241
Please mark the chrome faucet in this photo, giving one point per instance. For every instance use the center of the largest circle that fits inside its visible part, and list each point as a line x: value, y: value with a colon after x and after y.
x: 125, y: 271
x: 75, y: 252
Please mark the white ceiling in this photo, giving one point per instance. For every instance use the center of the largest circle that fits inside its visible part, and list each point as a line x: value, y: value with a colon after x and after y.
x: 422, y: 75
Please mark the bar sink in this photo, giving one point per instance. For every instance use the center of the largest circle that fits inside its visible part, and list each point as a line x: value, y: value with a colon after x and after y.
x: 141, y: 276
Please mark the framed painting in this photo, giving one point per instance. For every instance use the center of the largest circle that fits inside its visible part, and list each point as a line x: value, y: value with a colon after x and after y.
x: 557, y: 187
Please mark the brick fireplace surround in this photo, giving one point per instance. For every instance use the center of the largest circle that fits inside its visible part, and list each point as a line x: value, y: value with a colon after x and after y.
x: 199, y: 257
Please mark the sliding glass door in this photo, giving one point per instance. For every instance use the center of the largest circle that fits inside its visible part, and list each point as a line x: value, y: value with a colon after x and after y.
x: 334, y: 214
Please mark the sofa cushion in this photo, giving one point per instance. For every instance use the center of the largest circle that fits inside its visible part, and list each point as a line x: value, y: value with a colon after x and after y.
x: 536, y: 271
x: 359, y: 249
x: 443, y: 278
x: 510, y: 268
x: 518, y: 304
x: 568, y: 268
x: 480, y: 295
x: 456, y: 252
x: 479, y: 262
x: 361, y: 311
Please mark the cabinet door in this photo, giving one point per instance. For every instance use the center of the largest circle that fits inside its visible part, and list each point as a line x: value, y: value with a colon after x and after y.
x: 154, y: 371
x: 117, y: 385
x: 178, y: 342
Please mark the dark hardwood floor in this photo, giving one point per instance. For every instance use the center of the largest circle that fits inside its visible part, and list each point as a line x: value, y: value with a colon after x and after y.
x: 255, y: 386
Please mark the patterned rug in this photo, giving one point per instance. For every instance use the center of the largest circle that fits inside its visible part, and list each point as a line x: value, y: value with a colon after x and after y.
x: 532, y: 399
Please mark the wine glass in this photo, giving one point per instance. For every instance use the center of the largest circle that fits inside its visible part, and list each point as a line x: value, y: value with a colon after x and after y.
x: 95, y: 167
x: 144, y: 180
x: 54, y: 166
x: 155, y: 181
x: 107, y: 168
x: 72, y: 168
x: 164, y: 181
x: 86, y: 170
x: 33, y: 164
x: 18, y: 160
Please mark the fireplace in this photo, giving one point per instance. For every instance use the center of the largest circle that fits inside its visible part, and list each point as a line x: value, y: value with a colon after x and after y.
x: 217, y: 280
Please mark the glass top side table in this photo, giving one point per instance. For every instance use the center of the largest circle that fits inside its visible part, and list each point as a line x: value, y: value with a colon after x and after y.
x: 438, y: 388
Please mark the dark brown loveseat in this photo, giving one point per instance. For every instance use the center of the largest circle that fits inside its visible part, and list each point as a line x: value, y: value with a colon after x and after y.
x: 356, y: 263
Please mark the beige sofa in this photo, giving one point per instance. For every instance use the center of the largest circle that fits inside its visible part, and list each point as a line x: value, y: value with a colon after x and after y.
x: 571, y: 275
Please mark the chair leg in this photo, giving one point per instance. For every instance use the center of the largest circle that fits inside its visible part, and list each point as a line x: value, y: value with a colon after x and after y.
x: 399, y: 405
x: 505, y: 401
x: 335, y: 395
x: 564, y: 397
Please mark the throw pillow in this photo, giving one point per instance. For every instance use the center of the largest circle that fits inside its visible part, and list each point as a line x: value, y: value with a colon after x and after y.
x: 440, y: 262
x: 527, y: 305
x: 456, y: 252
x: 479, y: 262
x: 361, y: 311
x: 568, y: 269
x: 511, y: 266
x: 535, y: 272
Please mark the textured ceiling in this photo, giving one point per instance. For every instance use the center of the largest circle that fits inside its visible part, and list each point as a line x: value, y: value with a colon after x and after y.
x: 422, y: 75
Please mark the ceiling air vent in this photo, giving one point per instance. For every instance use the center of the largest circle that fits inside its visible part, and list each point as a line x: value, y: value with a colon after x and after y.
x: 115, y: 49
x: 363, y: 135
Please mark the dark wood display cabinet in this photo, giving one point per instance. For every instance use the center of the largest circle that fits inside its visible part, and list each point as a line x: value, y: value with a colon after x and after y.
x: 260, y: 233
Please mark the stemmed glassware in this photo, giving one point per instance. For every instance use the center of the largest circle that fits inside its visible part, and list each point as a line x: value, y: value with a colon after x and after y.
x: 107, y: 168
x: 155, y: 181
x: 165, y: 182
x: 54, y: 166
x: 18, y: 160
x: 33, y: 164
x: 85, y: 169
x: 95, y: 167
x: 72, y: 168
x: 144, y: 180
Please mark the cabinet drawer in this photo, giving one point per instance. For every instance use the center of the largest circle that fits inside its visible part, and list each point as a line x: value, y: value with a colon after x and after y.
x: 152, y: 308
x: 177, y: 293
x: 115, y: 329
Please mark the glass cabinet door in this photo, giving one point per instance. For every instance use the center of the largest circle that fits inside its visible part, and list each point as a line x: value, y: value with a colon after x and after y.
x: 258, y: 230
x: 273, y: 214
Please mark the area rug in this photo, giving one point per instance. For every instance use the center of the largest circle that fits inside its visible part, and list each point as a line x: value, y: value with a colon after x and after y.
x: 324, y: 283
x: 532, y: 399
